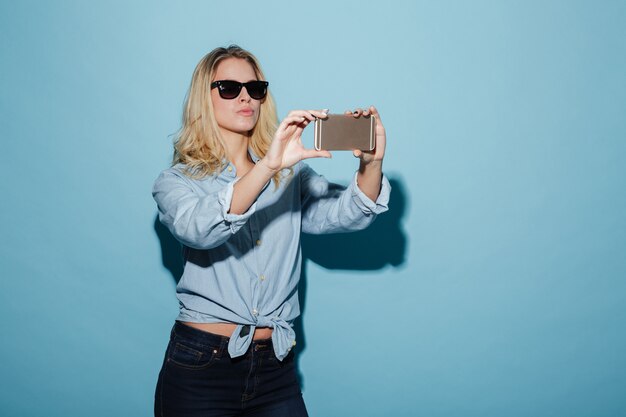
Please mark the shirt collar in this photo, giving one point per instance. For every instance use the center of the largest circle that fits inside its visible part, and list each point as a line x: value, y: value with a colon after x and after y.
x: 254, y: 156
x: 226, y: 163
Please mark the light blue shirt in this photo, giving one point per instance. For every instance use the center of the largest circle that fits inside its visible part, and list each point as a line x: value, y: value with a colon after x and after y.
x: 245, y: 269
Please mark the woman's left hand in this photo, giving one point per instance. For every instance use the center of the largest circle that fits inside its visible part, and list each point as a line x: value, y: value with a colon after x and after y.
x: 378, y: 153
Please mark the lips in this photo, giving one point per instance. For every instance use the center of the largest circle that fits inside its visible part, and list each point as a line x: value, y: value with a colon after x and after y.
x: 246, y: 112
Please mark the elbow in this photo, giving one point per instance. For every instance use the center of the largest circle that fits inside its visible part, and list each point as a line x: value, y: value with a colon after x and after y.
x: 195, y: 238
x: 362, y: 223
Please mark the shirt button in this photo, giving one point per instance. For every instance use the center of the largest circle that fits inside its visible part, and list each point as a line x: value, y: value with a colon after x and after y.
x: 230, y: 169
x: 255, y: 312
x: 262, y: 277
x: 258, y: 242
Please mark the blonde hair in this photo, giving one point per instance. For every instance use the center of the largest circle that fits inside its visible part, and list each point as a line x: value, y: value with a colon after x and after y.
x: 199, y: 144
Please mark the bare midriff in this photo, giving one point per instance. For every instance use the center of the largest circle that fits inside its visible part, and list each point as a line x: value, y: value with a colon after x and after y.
x: 227, y: 329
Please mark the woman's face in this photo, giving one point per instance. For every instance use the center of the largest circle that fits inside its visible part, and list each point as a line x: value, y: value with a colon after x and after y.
x: 238, y: 115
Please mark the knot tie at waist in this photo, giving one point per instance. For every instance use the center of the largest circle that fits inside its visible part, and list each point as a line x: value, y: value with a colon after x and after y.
x: 283, y: 337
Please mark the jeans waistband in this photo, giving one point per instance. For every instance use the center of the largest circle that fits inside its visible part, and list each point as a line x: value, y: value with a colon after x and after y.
x: 212, y: 339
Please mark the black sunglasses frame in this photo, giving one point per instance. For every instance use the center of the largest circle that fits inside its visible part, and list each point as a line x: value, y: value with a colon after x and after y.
x: 252, y: 87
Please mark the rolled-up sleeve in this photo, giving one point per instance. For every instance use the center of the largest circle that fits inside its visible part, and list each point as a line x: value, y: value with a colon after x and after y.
x: 330, y: 208
x: 365, y: 203
x: 197, y: 221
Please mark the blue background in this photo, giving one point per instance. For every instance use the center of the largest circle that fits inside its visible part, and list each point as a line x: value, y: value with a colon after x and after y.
x: 496, y: 284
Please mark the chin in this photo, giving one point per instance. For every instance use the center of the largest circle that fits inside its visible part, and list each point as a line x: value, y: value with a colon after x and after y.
x: 246, y: 127
x: 242, y: 130
x: 242, y: 127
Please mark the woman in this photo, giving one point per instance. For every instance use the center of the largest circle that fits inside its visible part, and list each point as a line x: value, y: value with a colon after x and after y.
x: 237, y: 197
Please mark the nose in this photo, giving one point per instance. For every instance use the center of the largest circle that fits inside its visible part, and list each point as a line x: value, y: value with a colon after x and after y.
x: 244, y: 96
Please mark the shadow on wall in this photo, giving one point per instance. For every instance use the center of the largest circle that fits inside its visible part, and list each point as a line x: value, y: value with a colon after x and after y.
x: 382, y: 244
x: 171, y: 250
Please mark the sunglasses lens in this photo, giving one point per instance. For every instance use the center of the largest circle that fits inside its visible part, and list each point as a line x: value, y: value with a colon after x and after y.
x: 257, y: 89
x: 229, y: 89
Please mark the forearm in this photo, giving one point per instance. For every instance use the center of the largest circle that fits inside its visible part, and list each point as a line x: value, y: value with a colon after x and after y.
x: 369, y: 178
x: 248, y: 188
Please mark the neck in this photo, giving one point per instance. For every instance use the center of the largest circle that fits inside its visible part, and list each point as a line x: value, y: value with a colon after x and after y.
x: 236, y: 146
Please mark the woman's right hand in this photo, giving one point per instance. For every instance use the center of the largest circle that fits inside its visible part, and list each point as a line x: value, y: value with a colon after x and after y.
x: 286, y: 148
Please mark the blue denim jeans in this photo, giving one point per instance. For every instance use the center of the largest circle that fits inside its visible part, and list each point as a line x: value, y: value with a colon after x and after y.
x: 199, y: 378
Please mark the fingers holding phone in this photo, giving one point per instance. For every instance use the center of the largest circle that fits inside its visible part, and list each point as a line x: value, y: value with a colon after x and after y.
x: 380, y: 140
x: 286, y: 148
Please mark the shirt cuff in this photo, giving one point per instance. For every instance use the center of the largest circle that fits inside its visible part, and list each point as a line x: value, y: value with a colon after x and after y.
x: 368, y: 206
x: 225, y: 198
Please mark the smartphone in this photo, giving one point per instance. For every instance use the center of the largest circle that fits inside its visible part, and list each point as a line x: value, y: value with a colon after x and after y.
x: 342, y: 132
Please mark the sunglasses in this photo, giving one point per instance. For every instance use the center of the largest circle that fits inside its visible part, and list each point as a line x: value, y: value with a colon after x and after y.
x: 229, y: 89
